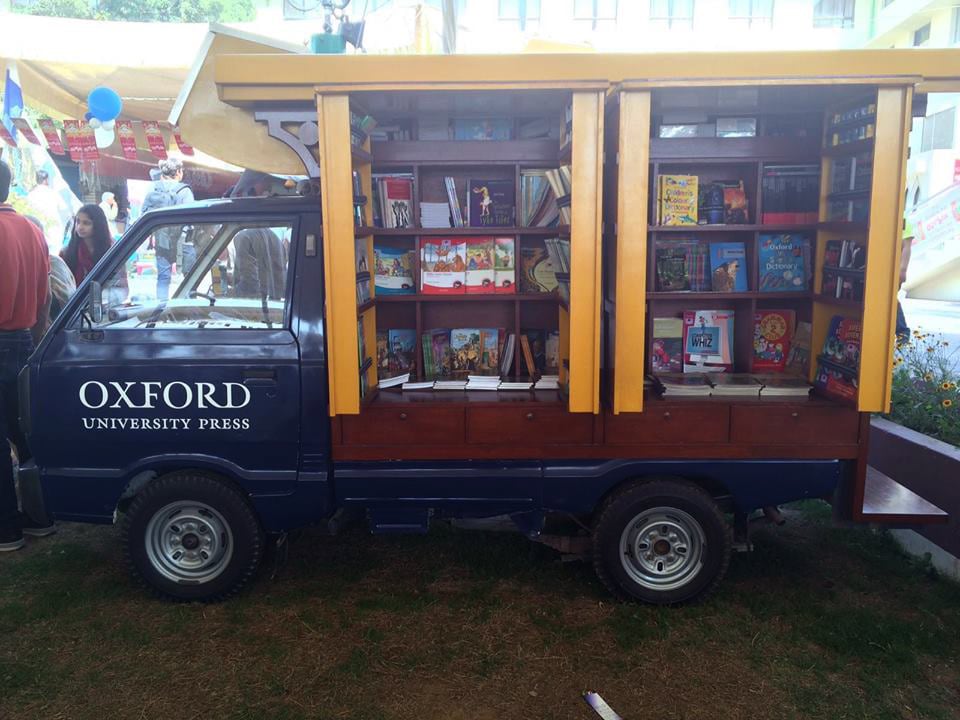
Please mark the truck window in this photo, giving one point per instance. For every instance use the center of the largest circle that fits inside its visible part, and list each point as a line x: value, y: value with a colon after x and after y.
x: 205, y: 276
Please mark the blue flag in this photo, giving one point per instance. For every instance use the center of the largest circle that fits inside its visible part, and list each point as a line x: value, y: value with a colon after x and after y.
x: 12, y: 99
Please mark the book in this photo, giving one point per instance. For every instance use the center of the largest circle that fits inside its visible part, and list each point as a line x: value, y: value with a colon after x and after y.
x: 364, y: 361
x: 853, y: 255
x: 779, y: 386
x: 528, y: 359
x: 537, y: 342
x: 798, y: 359
x: 839, y: 362
x: 538, y: 274
x: 728, y: 267
x: 383, y: 354
x: 547, y: 382
x: 393, y: 381
x: 552, y: 351
x: 393, y: 270
x: 443, y: 266
x: 418, y: 385
x: 396, y: 200
x: 491, y: 203
x: 678, y: 199
x: 667, y: 347
x: 782, y: 260
x: 456, y: 214
x: 772, y: 331
x: 440, y: 354
x: 790, y: 193
x: 426, y: 350
x: 735, y: 204
x: 480, y: 274
x: 734, y: 385
x: 433, y: 127
x: 684, y: 385
x: 507, y: 354
x: 708, y: 340
x: 538, y: 203
x: 434, y: 215
x: 402, y: 351
x: 559, y: 180
x: 363, y: 288
x: 504, y: 265
x: 672, y: 267
x: 482, y: 128
x: 489, y: 351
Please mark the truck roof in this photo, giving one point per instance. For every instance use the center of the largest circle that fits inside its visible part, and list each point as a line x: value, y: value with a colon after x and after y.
x: 243, y: 206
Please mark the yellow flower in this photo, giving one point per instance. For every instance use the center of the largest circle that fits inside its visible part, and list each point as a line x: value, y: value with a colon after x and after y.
x: 953, y: 385
x: 916, y: 333
x: 929, y: 348
x: 944, y: 386
x: 947, y: 403
x: 928, y: 377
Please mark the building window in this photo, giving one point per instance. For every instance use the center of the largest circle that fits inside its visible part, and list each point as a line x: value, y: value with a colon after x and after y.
x: 594, y: 10
x: 921, y: 35
x: 672, y: 14
x: 522, y: 10
x: 955, y: 27
x: 938, y: 130
x: 752, y: 13
x: 833, y: 14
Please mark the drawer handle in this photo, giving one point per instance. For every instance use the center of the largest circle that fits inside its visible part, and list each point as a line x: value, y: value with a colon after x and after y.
x: 403, y: 416
x: 529, y: 416
x: 794, y: 414
x: 666, y: 415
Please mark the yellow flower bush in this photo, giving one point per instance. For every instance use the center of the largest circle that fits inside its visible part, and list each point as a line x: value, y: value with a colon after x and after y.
x: 925, y: 396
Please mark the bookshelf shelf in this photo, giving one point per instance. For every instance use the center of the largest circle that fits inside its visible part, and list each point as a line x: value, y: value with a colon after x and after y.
x: 843, y: 227
x: 459, y: 152
x: 844, y: 271
x: 552, y: 231
x: 707, y: 295
x: 360, y: 155
x: 707, y: 150
x: 478, y: 297
x: 361, y: 309
x: 365, y: 231
x: 781, y: 227
x: 865, y: 120
x: 848, y: 194
x: 841, y: 302
x: 851, y: 148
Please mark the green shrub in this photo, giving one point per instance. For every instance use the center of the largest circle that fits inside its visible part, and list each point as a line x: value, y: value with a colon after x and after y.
x: 925, y: 396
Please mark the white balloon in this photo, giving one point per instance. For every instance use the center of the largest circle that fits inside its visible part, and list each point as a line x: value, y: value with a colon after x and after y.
x: 95, y: 123
x: 104, y: 137
x: 108, y: 124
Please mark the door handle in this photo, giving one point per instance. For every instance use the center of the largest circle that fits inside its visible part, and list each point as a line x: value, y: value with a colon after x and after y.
x: 259, y: 377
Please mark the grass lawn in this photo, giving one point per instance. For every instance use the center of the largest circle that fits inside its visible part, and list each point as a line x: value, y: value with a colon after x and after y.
x: 818, y: 622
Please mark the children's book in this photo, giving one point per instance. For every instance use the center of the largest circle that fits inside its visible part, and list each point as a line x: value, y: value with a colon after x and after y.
x: 440, y: 352
x: 728, y: 267
x: 772, y: 331
x: 667, y: 351
x: 393, y: 271
x: 482, y: 129
x: 839, y: 363
x: 491, y: 203
x: 505, y: 265
x: 443, y: 266
x: 537, y: 342
x: 673, y: 273
x: 402, y: 351
x: 383, y: 354
x: 489, y: 363
x: 480, y: 273
x: 527, y: 352
x: 708, y: 340
x: 735, y: 205
x: 396, y: 197
x: 538, y: 274
x: 465, y: 352
x: 678, y: 199
x: 783, y: 263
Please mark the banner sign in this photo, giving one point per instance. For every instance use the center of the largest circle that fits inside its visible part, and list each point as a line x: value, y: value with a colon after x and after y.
x: 88, y: 141
x: 184, y: 146
x: 24, y: 127
x: 74, y: 144
x: 49, y: 130
x: 158, y: 146
x: 6, y: 136
x: 128, y: 141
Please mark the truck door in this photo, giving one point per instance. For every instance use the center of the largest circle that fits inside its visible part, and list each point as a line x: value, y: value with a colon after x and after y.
x: 208, y: 378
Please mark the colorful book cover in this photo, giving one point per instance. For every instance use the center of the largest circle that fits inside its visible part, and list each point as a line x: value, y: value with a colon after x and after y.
x: 480, y: 274
x: 831, y: 253
x: 427, y: 349
x: 482, y: 129
x: 667, y: 350
x: 443, y: 266
x: 489, y: 351
x: 537, y: 340
x: 393, y: 271
x: 537, y: 271
x: 465, y: 351
x: 397, y: 199
x: 772, y: 330
x: 839, y: 363
x: 831, y: 283
x: 383, y: 354
x: 402, y: 351
x: 505, y: 265
x: 440, y: 350
x: 492, y: 203
x: 708, y: 340
x: 728, y: 267
x: 735, y: 206
x: 678, y: 199
x: 783, y: 263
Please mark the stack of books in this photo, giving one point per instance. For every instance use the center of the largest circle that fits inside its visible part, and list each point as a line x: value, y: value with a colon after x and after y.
x: 516, y: 384
x: 733, y: 385
x: 418, y: 385
x: 434, y: 215
x: 548, y: 382
x: 483, y: 382
x: 450, y: 385
x: 393, y: 381
x: 685, y: 385
x: 784, y: 386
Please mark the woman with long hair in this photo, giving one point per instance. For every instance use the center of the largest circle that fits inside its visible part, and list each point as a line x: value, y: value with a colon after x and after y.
x: 88, y: 242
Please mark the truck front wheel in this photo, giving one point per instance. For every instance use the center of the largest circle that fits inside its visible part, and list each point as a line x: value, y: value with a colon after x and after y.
x: 192, y: 537
x: 661, y: 541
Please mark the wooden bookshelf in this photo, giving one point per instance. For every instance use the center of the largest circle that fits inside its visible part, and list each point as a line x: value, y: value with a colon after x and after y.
x: 771, y: 228
x: 552, y: 231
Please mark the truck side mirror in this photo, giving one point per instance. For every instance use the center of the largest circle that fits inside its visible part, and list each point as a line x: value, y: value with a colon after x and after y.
x: 95, y: 302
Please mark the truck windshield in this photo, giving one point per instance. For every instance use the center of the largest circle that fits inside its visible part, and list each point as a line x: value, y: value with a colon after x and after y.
x: 202, y: 275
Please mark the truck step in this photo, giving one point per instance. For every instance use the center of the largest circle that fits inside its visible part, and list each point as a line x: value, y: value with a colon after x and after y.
x: 403, y: 521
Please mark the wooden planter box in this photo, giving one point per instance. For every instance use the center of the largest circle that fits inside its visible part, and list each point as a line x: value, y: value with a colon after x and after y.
x: 928, y: 467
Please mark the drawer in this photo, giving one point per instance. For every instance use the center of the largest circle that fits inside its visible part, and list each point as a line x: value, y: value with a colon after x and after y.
x: 662, y: 423
x: 794, y: 425
x: 404, y: 426
x: 528, y: 425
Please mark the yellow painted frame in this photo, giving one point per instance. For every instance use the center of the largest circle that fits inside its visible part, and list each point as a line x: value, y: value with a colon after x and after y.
x: 633, y: 179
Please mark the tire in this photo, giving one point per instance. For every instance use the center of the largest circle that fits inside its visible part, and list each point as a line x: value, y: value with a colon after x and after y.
x: 191, y: 537
x: 686, y: 541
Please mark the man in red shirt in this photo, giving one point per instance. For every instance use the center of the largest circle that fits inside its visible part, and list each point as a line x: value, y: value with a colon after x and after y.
x: 24, y: 297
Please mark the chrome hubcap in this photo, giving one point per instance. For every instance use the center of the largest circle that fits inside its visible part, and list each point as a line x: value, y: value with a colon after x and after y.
x: 189, y: 542
x: 662, y: 548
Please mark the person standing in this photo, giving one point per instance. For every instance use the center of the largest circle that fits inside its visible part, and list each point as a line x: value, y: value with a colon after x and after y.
x: 170, y: 191
x: 50, y: 206
x: 24, y: 298
x: 88, y: 242
x: 108, y: 203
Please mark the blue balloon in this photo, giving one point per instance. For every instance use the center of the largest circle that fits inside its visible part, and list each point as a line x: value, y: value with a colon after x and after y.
x: 104, y: 103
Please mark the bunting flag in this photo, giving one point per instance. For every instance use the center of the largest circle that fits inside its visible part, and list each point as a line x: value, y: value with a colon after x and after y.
x: 88, y: 142
x: 12, y: 100
x: 128, y: 140
x: 184, y: 146
x: 49, y: 130
x: 158, y: 145
x: 74, y: 144
x: 24, y: 127
x: 6, y: 136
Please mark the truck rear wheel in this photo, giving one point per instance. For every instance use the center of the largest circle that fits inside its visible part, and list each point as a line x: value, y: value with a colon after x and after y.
x: 192, y: 537
x: 662, y: 542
